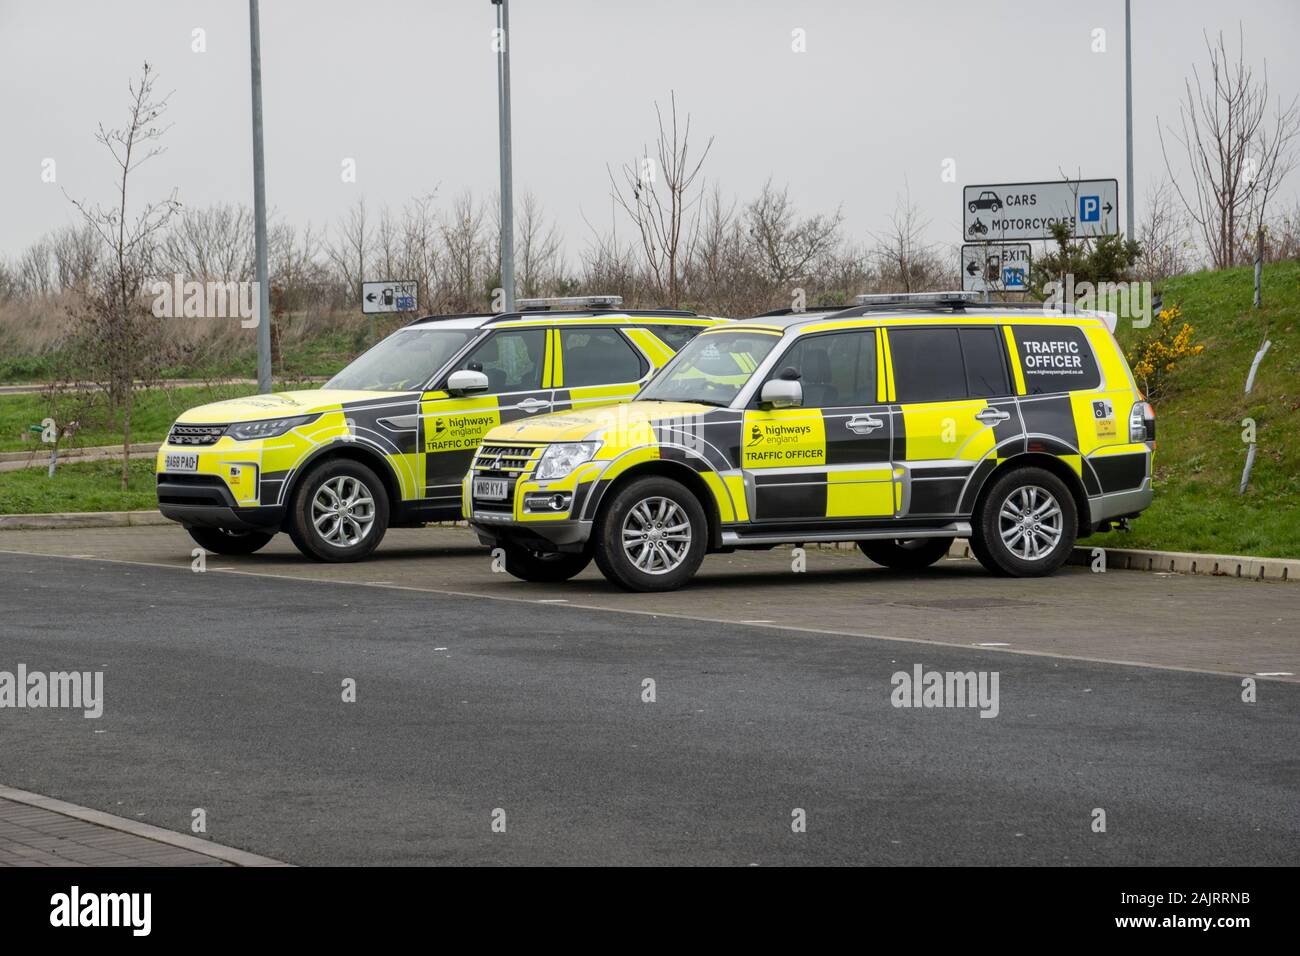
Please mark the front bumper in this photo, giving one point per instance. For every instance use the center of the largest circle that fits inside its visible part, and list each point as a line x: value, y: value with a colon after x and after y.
x: 568, y: 535
x: 206, y: 501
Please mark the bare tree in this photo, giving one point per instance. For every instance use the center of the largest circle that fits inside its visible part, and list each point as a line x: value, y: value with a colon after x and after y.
x: 657, y: 194
x: 906, y: 262
x: 121, y: 339
x: 1164, y: 234
x: 1236, y: 155
x: 214, y: 243
x: 788, y: 247
x: 421, y: 254
x: 76, y: 257
x: 466, y: 251
x: 539, y: 251
x: 350, y: 251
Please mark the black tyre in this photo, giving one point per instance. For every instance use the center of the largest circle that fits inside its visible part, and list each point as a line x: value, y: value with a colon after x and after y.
x: 542, y: 566
x: 1026, y: 524
x: 222, y: 541
x: 339, y: 511
x: 906, y: 554
x: 651, y: 536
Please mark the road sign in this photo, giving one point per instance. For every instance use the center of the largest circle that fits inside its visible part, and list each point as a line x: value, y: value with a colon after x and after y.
x: 389, y: 295
x: 995, y: 267
x: 1089, y: 207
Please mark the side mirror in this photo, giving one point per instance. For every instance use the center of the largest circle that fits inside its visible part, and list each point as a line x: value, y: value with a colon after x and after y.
x: 467, y: 381
x: 782, y: 393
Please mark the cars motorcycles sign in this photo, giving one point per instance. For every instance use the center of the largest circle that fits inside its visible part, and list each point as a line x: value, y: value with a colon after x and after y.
x: 1088, y: 207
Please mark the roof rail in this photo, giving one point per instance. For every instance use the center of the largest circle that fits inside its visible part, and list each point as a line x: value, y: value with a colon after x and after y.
x: 632, y: 313
x: 825, y: 307
x: 451, y: 315
x: 567, y: 302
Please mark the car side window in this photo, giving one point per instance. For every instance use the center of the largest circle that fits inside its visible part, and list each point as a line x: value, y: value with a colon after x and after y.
x: 675, y: 336
x: 984, y: 353
x: 927, y: 365
x: 1055, y: 358
x: 834, y: 370
x: 597, y: 357
x: 512, y: 359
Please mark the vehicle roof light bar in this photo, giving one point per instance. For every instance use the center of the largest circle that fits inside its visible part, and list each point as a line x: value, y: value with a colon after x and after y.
x: 918, y: 298
x: 570, y: 302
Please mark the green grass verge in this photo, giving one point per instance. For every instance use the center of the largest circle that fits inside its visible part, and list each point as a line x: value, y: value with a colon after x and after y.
x: 1199, y: 451
x: 155, y: 410
x: 88, y: 486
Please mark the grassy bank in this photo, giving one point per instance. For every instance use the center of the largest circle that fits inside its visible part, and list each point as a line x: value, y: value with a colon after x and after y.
x: 1200, y: 452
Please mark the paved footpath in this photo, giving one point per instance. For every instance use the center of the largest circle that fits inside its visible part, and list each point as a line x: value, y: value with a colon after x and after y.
x: 40, y: 831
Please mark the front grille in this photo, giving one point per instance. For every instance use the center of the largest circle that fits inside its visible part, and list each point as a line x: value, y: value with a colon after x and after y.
x: 195, y: 434
x: 507, y: 459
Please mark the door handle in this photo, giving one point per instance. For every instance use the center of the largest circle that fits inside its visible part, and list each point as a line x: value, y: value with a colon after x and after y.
x: 531, y: 405
x: 992, y: 416
x: 863, y: 424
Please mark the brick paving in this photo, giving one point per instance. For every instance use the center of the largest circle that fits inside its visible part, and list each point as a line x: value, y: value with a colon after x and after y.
x: 39, y: 831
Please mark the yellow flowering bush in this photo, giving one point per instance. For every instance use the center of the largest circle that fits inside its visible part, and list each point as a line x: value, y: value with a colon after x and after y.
x: 1158, y: 354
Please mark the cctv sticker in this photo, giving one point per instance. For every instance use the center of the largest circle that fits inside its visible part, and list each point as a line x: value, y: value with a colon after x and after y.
x: 1104, y: 415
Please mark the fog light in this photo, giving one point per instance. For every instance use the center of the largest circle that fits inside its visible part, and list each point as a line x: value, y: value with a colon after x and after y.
x: 553, y: 503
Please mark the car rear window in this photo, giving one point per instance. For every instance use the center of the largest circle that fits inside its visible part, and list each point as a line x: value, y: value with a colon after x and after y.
x: 1055, y: 358
x: 675, y: 336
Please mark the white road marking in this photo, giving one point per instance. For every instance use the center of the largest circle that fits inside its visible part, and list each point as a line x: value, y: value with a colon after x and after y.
x: 992, y: 644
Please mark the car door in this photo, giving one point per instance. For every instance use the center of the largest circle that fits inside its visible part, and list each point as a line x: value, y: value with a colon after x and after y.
x: 517, y: 366
x: 954, y: 407
x: 830, y: 458
x: 594, y: 365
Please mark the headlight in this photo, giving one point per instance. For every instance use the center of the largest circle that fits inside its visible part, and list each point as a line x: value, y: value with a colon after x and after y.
x: 561, y: 458
x: 270, y: 428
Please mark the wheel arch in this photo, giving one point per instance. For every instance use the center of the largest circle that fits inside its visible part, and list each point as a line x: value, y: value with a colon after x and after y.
x: 352, y: 451
x: 1049, y: 463
x: 677, y: 471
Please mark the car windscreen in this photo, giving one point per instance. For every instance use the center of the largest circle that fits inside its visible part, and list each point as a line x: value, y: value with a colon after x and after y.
x: 404, y: 361
x: 711, y: 368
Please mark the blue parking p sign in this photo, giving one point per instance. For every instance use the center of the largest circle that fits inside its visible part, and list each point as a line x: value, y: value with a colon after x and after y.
x: 1089, y: 208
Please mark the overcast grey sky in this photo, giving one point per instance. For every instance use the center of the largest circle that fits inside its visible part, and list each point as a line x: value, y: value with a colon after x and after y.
x: 885, y: 91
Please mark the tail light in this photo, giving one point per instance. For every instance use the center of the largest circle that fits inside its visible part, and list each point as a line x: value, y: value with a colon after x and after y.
x: 1142, y: 423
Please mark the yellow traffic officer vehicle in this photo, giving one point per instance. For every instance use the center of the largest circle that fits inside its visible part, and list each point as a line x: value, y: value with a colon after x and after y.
x: 386, y: 442
x: 901, y: 424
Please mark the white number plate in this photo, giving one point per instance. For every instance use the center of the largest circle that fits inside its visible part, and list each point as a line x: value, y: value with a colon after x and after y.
x: 181, y: 461
x: 491, y: 489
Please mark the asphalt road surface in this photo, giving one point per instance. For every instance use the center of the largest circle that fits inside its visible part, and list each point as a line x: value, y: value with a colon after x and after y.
x: 480, y: 699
